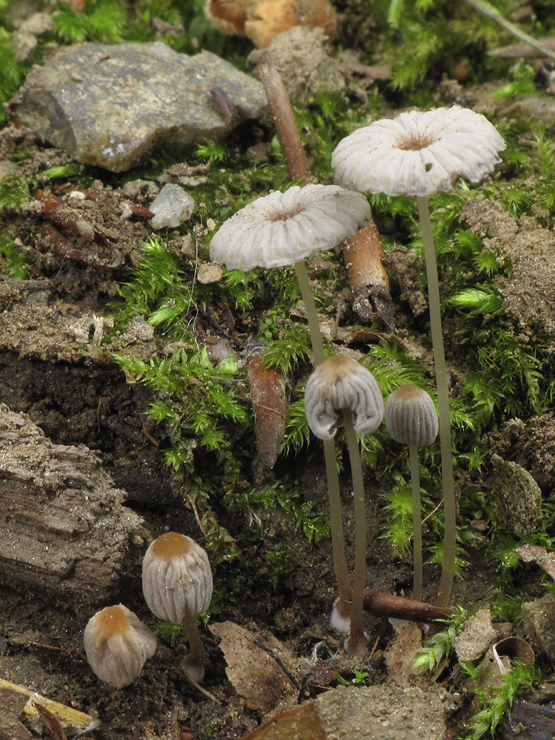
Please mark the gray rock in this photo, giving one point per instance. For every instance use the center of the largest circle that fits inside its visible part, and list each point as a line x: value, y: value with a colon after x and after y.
x: 476, y: 637
x: 538, y: 618
x: 110, y: 105
x: 171, y: 207
x: 515, y: 496
x: 301, y: 57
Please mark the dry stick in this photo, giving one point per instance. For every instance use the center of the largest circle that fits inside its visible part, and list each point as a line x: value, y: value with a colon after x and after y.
x: 286, y: 126
x: 398, y: 607
x: 297, y: 166
x: 450, y: 513
x: 495, y: 15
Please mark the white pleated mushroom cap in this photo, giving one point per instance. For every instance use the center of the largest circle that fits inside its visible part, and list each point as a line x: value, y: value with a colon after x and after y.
x: 418, y: 153
x: 117, y: 645
x: 283, y: 228
x: 177, y: 578
x: 411, y: 416
x: 341, y: 383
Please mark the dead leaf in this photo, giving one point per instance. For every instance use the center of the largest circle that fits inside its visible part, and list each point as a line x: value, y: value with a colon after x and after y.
x: 267, y: 389
x: 11, y: 709
x: 539, y: 555
x: 300, y: 723
x: 51, y: 721
x: 259, y: 668
x: 401, y: 653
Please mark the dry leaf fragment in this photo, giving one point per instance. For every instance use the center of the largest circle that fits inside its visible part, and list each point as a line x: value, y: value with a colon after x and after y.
x: 539, y: 555
x: 267, y: 389
x: 255, y: 673
x: 51, y: 721
x: 11, y: 708
x: 299, y: 723
x: 401, y: 653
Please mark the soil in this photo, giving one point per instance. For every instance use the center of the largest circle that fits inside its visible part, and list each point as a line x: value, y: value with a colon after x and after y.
x: 55, y: 369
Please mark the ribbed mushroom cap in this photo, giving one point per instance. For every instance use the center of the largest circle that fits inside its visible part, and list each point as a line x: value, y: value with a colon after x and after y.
x: 283, y: 228
x: 177, y: 578
x: 117, y: 645
x: 411, y: 416
x: 341, y: 383
x: 418, y: 153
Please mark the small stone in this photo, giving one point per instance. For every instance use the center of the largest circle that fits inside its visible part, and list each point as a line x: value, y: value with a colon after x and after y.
x: 476, y: 637
x: 539, y: 623
x: 209, y: 273
x: 515, y: 496
x: 171, y: 207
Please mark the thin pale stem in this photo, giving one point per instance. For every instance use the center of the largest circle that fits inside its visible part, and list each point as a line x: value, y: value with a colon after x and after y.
x: 357, y: 642
x: 336, y: 516
x: 449, y: 504
x: 196, y: 658
x: 416, y: 524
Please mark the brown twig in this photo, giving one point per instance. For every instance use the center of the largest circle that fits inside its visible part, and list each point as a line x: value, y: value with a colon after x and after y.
x: 398, y: 607
x: 58, y: 213
x: 286, y: 126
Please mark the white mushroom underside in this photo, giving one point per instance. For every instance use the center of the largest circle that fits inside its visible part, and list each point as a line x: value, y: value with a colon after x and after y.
x: 178, y: 586
x: 418, y: 153
x: 283, y: 228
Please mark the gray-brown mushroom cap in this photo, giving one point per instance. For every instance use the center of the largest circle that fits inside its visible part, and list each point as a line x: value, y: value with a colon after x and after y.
x: 411, y: 416
x: 117, y: 645
x: 177, y: 578
x: 341, y: 383
x: 283, y: 228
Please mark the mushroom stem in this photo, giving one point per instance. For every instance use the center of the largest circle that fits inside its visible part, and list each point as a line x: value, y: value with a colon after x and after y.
x: 196, y: 658
x: 356, y: 644
x: 342, y: 610
x: 416, y: 524
x: 286, y: 126
x: 449, y: 504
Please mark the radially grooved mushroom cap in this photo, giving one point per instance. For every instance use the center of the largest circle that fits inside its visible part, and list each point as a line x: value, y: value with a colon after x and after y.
x: 117, y: 645
x: 177, y: 578
x: 418, y: 153
x: 411, y: 416
x: 341, y: 383
x: 283, y: 228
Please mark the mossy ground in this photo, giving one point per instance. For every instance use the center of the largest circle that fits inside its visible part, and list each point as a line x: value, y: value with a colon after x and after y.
x: 191, y: 424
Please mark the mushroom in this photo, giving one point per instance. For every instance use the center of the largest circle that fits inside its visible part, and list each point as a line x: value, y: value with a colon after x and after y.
x: 411, y: 419
x: 177, y: 586
x: 117, y: 645
x: 283, y: 229
x: 420, y: 153
x: 342, y: 390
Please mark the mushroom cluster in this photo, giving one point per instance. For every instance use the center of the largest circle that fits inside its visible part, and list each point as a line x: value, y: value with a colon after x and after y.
x: 177, y: 586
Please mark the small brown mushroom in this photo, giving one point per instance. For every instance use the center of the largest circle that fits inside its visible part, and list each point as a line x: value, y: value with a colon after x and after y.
x: 177, y: 586
x: 117, y: 645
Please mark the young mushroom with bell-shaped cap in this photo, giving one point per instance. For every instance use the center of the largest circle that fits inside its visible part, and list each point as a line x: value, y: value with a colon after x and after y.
x: 342, y: 390
x: 177, y: 586
x: 117, y: 645
x: 282, y: 229
x: 411, y: 419
x: 421, y: 153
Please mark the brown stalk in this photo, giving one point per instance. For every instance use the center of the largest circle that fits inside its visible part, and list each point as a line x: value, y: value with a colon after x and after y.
x: 398, y: 607
x: 58, y: 213
x: 286, y: 126
x: 368, y: 276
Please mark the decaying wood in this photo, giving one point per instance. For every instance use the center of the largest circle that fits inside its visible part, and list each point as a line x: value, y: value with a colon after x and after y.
x: 63, y: 526
x: 56, y: 211
x: 368, y: 276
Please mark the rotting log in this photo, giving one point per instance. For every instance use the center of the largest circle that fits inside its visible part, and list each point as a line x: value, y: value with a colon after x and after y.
x: 64, y: 528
